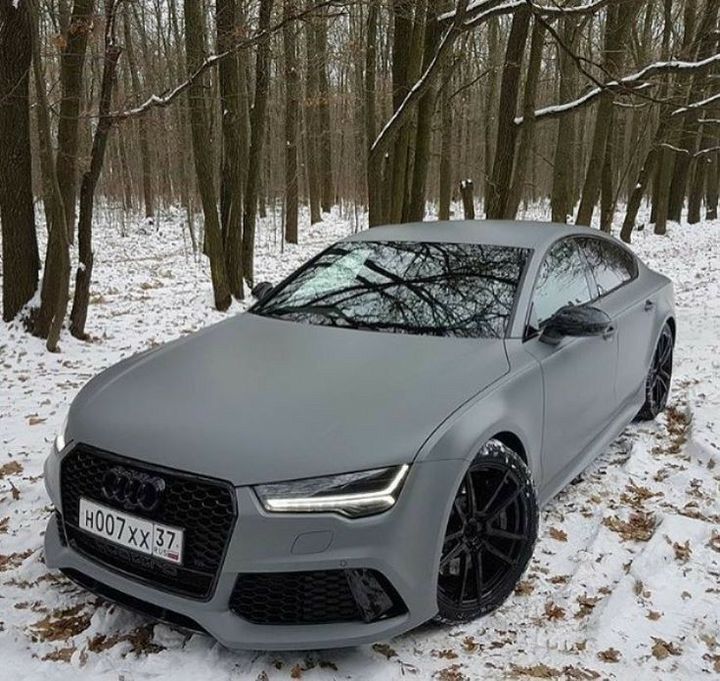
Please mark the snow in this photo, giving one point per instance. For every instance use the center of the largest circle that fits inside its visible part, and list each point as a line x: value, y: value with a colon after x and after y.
x: 592, y: 594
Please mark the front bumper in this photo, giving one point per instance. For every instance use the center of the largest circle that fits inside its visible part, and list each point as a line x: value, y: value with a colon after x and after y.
x: 402, y: 544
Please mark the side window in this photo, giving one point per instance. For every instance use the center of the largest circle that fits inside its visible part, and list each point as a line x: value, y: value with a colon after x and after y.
x: 563, y: 280
x: 611, y: 265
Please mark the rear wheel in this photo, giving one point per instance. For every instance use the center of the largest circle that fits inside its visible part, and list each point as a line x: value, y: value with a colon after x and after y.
x: 490, y: 535
x: 657, y: 384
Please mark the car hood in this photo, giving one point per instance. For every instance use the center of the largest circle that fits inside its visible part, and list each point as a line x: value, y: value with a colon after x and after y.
x: 254, y: 399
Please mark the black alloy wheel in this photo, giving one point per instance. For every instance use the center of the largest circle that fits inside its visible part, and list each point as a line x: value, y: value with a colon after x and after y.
x: 490, y: 535
x: 657, y: 384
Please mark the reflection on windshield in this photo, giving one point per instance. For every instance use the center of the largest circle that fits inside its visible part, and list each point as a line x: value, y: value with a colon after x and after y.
x: 439, y: 289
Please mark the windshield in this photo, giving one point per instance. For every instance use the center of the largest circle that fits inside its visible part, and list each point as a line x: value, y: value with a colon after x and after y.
x: 435, y: 289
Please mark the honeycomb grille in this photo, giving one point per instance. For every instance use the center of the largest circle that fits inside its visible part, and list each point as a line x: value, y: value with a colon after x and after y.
x: 317, y: 597
x: 203, y: 508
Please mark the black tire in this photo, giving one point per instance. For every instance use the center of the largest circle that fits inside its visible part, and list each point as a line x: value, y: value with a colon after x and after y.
x: 657, y: 383
x: 490, y: 536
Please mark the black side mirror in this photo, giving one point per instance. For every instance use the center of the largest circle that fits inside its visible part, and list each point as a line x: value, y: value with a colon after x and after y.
x: 576, y: 321
x: 262, y: 290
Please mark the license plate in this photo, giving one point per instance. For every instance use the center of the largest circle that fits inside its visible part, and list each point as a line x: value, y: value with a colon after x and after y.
x: 138, y: 534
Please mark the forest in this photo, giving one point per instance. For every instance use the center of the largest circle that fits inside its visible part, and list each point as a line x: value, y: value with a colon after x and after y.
x: 389, y: 110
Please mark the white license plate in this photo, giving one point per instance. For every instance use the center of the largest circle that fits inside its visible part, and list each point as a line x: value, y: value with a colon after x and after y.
x: 124, y: 529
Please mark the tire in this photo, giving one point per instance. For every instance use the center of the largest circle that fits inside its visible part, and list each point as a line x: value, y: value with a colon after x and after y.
x: 657, y: 383
x: 490, y: 536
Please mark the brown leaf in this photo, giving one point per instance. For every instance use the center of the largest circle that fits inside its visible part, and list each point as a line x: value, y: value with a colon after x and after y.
x: 639, y: 526
x: 4, y: 522
x: 35, y: 420
x: 469, y: 644
x: 587, y: 604
x: 714, y: 542
x: 662, y: 649
x: 10, y: 468
x: 61, y: 625
x: 60, y: 655
x: 12, y: 560
x: 609, y: 655
x: 654, y: 615
x: 553, y: 611
x: 445, y: 654
x: 524, y: 588
x: 558, y: 535
x: 296, y: 672
x: 451, y: 673
x: 536, y: 671
x: 682, y: 551
x: 384, y: 649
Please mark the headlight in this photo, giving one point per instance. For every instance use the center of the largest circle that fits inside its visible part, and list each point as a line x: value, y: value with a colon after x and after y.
x: 353, y: 494
x: 60, y: 441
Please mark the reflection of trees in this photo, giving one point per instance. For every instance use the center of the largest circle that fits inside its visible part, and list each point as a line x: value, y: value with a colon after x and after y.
x: 464, y: 290
x: 610, y: 264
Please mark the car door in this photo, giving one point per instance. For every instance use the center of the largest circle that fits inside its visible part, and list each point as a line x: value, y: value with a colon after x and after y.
x: 614, y: 270
x: 578, y: 373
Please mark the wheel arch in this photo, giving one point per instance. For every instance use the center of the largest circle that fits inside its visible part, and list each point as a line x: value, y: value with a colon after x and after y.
x: 511, y: 440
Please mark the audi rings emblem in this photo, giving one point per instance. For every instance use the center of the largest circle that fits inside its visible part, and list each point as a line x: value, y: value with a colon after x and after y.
x: 132, y: 489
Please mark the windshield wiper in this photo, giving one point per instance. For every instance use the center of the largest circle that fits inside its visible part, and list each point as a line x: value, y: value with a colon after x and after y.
x: 330, y: 312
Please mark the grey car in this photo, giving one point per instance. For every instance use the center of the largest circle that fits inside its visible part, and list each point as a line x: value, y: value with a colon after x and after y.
x: 368, y: 446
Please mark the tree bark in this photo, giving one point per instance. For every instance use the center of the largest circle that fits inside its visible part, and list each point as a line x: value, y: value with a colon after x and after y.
x: 257, y: 137
x: 230, y: 171
x: 499, y: 188
x: 17, y: 213
x: 78, y: 315
x: 310, y: 109
x: 292, y: 110
x: 527, y: 132
x: 327, y: 192
x: 72, y: 65
x: 202, y: 152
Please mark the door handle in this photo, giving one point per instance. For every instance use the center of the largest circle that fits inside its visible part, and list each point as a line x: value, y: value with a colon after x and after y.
x: 609, y: 332
x: 649, y: 305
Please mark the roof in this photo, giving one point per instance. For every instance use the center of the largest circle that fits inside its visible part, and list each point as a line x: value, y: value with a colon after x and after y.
x: 489, y: 232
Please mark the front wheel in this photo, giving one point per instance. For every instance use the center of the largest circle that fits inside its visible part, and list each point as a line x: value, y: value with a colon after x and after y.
x: 490, y: 535
x: 657, y: 383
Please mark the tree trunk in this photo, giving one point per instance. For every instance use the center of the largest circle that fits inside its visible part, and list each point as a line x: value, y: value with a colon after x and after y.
x: 310, y: 110
x: 327, y: 193
x: 230, y: 172
x: 54, y: 294
x: 202, y: 152
x: 445, y: 189
x: 78, y: 315
x: 373, y: 165
x: 72, y: 65
x: 257, y: 137
x: 468, y: 200
x: 712, y: 187
x: 619, y: 20
x: 499, y: 187
x: 527, y: 132
x: 17, y: 214
x: 292, y: 109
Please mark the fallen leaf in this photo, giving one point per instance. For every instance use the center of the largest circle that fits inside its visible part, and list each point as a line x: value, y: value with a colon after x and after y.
x: 536, y: 671
x: 35, y: 420
x: 524, y: 588
x: 445, y: 654
x: 12, y: 560
x: 653, y: 615
x: 662, y: 649
x: 587, y: 604
x: 639, y: 526
x: 553, y: 611
x: 60, y: 655
x: 558, y: 535
x: 682, y: 551
x: 609, y: 655
x: 61, y: 625
x: 10, y: 468
x: 384, y: 649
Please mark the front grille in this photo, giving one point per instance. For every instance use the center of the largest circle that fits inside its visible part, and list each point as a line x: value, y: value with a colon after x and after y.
x: 316, y: 597
x: 203, y: 508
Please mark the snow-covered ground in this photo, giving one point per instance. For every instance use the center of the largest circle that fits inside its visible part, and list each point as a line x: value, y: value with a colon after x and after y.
x: 626, y: 575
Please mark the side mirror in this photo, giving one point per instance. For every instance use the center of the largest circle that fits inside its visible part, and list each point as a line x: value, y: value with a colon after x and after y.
x: 262, y: 290
x: 576, y: 321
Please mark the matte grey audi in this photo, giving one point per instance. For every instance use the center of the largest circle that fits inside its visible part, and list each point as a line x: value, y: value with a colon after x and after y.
x: 367, y: 447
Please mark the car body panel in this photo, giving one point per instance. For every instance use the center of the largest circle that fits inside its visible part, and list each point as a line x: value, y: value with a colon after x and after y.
x: 255, y: 400
x: 286, y: 401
